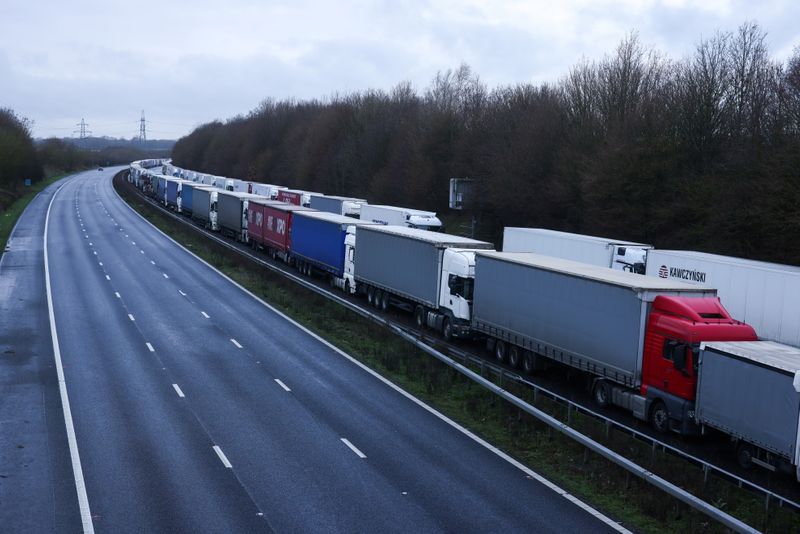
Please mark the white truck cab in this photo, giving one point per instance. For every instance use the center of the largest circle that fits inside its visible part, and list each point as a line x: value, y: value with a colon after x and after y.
x: 458, y: 282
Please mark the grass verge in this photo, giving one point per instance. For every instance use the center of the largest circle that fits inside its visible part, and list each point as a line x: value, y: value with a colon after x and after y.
x: 630, y: 500
x: 9, y: 217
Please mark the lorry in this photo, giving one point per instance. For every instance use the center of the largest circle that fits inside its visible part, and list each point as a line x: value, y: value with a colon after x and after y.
x: 764, y: 295
x: 751, y: 392
x: 601, y: 251
x: 636, y: 337
x: 340, y: 205
x: 204, y: 207
x: 232, y: 213
x: 325, y: 242
x: 270, y: 225
x: 187, y: 196
x: 428, y: 273
x: 266, y: 190
x: 297, y: 197
x: 397, y: 216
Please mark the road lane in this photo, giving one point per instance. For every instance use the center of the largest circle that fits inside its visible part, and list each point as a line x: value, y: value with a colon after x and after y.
x: 171, y: 368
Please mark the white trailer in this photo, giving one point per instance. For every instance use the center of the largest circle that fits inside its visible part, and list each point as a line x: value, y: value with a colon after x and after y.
x: 398, y: 216
x: 764, y: 295
x: 600, y: 251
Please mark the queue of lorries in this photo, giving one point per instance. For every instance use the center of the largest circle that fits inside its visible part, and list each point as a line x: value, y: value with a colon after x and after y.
x: 652, y: 330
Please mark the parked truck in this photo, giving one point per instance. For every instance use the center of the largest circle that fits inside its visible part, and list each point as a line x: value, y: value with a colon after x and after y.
x: 187, y: 196
x: 600, y: 251
x: 751, y: 392
x: 297, y: 197
x: 397, y: 216
x: 270, y: 224
x: 428, y: 273
x: 204, y: 207
x: 635, y: 336
x: 232, y: 213
x: 340, y: 205
x: 326, y: 242
x: 764, y: 295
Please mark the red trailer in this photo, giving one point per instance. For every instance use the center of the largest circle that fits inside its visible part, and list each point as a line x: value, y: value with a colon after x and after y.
x: 270, y: 226
x: 291, y: 196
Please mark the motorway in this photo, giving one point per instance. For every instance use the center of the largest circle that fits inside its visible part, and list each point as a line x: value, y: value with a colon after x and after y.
x: 195, y: 407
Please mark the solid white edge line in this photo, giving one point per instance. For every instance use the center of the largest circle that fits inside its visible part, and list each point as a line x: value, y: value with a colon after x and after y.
x: 281, y: 384
x: 222, y: 457
x: 178, y: 390
x: 150, y: 347
x: 353, y: 448
x: 77, y: 470
x: 525, y: 469
x: 238, y: 346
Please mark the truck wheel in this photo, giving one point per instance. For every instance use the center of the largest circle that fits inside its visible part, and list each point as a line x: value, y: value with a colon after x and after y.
x: 419, y: 316
x: 528, y: 362
x: 347, y: 287
x: 384, y: 301
x: 744, y: 455
x: 370, y: 294
x: 513, y: 356
x: 500, y: 351
x: 376, y: 298
x: 447, y: 329
x: 601, y: 393
x: 659, y: 417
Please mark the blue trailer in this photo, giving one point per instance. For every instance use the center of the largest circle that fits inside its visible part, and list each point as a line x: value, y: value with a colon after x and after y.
x: 318, y: 241
x: 187, y: 196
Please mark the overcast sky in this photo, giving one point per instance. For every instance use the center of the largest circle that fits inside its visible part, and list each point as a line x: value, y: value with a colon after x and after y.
x: 188, y: 62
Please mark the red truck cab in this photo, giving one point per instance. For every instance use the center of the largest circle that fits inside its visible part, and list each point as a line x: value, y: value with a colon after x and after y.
x: 675, y: 328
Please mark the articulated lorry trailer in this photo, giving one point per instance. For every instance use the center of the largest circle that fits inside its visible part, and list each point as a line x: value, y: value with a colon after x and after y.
x: 325, y: 242
x: 636, y: 337
x: 270, y: 226
x: 600, y: 251
x: 751, y: 392
x: 232, y: 213
x: 398, y: 216
x: 349, y: 206
x: 764, y: 295
x: 428, y: 273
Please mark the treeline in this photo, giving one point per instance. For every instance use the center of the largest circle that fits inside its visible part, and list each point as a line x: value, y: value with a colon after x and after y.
x: 700, y: 153
x: 22, y: 158
x: 18, y: 157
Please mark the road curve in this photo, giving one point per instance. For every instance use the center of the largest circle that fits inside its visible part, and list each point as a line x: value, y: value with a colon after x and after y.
x: 197, y: 408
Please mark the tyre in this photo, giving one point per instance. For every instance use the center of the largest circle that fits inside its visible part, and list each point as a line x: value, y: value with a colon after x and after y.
x: 528, y: 362
x: 659, y: 417
x: 447, y: 329
x: 419, y: 316
x: 347, y: 287
x: 513, y: 356
x: 384, y: 301
x: 376, y: 298
x: 370, y: 295
x: 500, y: 351
x: 744, y: 455
x: 601, y: 393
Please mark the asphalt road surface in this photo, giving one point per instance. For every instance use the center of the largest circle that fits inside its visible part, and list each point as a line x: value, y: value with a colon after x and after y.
x: 195, y: 407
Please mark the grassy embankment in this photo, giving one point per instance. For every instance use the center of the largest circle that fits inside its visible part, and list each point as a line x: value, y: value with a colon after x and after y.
x: 627, y: 499
x: 9, y: 217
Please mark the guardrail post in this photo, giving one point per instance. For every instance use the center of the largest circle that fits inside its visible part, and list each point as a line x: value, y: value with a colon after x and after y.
x: 569, y: 414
